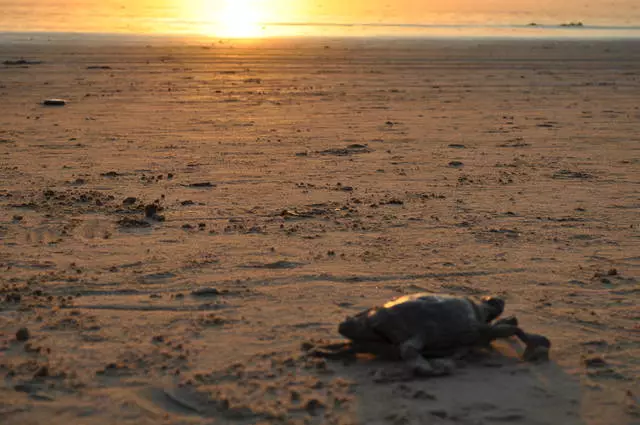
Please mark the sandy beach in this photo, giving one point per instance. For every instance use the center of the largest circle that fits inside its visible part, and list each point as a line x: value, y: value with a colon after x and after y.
x: 289, y: 184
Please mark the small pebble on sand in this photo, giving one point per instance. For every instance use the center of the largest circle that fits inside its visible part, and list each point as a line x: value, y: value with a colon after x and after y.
x: 22, y: 334
x: 54, y: 102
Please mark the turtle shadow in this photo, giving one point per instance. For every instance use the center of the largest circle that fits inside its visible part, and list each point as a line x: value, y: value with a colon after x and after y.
x: 488, y: 388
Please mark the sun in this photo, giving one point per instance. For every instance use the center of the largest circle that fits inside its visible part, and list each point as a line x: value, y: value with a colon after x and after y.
x: 240, y: 19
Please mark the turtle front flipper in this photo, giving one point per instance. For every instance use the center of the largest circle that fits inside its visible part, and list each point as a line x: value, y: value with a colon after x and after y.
x: 537, y: 346
x: 537, y: 349
x: 411, y: 354
x: 511, y: 320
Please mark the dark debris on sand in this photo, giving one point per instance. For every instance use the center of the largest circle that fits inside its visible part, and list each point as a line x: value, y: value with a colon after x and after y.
x: 132, y: 223
x: 348, y: 150
x: 21, y: 62
x: 568, y: 174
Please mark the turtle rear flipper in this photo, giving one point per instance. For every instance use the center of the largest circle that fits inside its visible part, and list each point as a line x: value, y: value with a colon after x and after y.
x: 335, y: 351
x: 360, y: 328
x: 349, y: 350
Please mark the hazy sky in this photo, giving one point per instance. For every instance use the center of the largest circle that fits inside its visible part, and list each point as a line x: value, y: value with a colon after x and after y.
x: 166, y: 15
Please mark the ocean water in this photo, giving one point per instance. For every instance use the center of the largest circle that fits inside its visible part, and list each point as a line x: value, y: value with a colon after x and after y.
x: 269, y: 18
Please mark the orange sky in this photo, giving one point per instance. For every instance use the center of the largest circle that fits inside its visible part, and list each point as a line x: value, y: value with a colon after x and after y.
x: 228, y: 16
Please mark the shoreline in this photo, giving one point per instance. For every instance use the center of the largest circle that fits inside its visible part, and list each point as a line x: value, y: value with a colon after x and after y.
x: 518, y: 33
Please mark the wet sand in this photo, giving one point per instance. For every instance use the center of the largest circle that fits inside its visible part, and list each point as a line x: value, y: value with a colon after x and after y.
x: 299, y: 182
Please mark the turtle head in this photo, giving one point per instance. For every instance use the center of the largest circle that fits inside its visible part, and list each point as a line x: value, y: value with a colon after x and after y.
x: 492, y: 308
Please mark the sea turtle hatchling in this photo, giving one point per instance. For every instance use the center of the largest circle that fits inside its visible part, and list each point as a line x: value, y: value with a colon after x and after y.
x: 423, y: 328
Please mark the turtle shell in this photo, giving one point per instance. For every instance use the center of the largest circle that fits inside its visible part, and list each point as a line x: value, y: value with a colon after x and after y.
x: 445, y: 321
